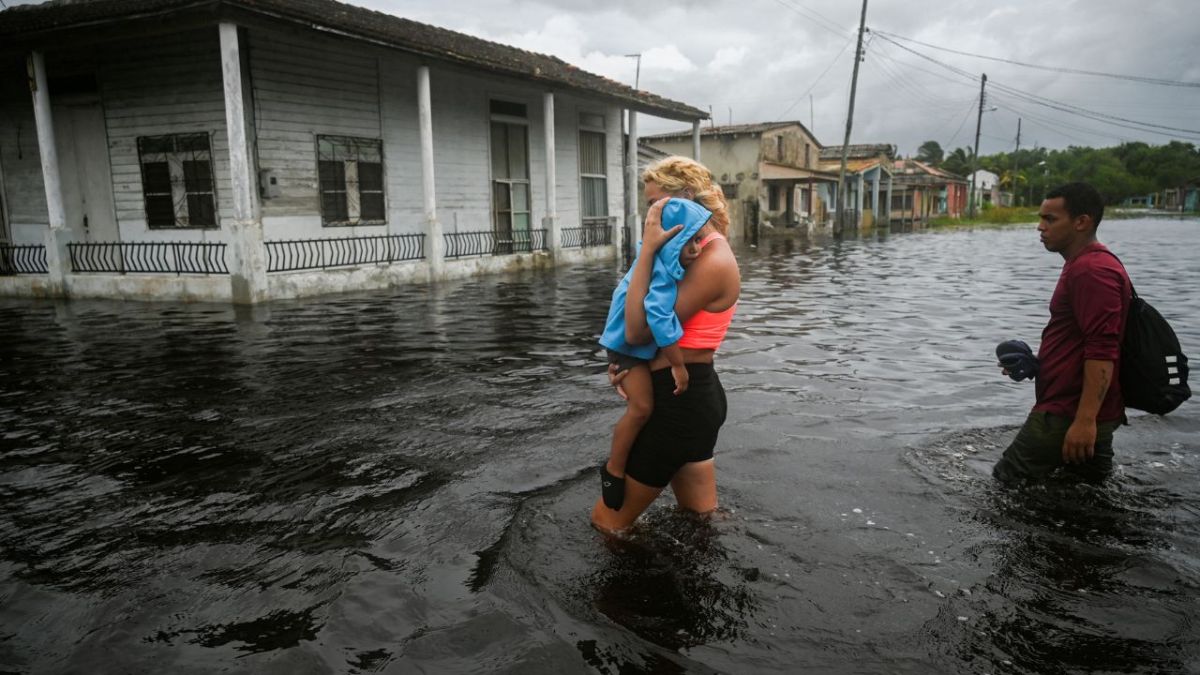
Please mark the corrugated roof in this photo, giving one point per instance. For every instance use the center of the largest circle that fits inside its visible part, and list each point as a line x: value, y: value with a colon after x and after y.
x: 862, y: 151
x: 917, y: 167
x: 730, y: 129
x: 30, y: 25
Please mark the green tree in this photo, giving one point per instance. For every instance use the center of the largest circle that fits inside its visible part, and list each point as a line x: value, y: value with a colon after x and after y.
x: 958, y: 161
x: 931, y: 152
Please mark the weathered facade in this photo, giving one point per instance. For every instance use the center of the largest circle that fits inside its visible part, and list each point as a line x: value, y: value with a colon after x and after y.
x: 769, y: 172
x: 868, y: 181
x: 921, y: 191
x: 254, y: 149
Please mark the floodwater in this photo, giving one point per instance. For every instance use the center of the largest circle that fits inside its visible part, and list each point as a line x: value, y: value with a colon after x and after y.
x: 400, y: 481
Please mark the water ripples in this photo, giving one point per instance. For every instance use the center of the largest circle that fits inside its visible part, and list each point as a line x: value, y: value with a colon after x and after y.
x: 400, y: 481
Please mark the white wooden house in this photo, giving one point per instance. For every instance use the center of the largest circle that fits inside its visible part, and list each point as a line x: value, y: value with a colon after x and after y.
x: 246, y: 150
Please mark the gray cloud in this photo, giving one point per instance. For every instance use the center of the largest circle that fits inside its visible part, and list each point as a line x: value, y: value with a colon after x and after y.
x: 755, y: 60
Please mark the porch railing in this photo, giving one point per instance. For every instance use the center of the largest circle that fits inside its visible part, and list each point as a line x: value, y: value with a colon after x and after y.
x: 22, y: 259
x: 463, y: 244
x: 172, y: 257
x: 594, y: 232
x: 308, y: 254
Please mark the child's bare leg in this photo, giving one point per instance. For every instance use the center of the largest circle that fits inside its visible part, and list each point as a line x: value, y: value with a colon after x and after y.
x: 640, y: 403
x: 640, y: 390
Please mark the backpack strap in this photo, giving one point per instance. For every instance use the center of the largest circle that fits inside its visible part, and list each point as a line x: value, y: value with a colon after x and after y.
x: 1132, y: 290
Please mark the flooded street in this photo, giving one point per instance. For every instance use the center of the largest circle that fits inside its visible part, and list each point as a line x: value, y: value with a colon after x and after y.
x: 401, y: 481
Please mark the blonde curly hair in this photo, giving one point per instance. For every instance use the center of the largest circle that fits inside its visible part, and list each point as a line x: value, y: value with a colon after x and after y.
x: 685, y: 177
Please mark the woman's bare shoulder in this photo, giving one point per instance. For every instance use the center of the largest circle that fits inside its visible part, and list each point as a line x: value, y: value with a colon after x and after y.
x: 718, y: 257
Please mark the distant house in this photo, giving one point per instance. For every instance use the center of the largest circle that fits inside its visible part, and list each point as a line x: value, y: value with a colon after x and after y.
x: 769, y: 172
x: 247, y: 150
x: 869, y: 170
x: 1186, y: 198
x: 987, y: 190
x: 921, y: 191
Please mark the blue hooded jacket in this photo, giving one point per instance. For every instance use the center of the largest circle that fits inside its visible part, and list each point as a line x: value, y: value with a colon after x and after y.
x: 664, y: 285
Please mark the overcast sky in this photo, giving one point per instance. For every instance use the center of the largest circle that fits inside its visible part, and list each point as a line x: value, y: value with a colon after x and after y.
x: 761, y: 60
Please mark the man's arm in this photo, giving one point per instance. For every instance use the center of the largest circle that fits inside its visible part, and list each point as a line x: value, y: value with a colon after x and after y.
x: 1080, y: 442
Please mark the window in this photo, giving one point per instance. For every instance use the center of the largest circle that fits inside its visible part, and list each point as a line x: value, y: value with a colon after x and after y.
x: 807, y: 155
x: 772, y: 197
x: 730, y: 190
x: 779, y: 148
x: 593, y: 179
x: 510, y: 172
x: 177, y: 181
x: 350, y: 177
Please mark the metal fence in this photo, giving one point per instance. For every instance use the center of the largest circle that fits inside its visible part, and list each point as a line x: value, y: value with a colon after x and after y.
x: 170, y: 257
x: 597, y: 232
x: 22, y: 259
x: 463, y: 244
x: 309, y: 254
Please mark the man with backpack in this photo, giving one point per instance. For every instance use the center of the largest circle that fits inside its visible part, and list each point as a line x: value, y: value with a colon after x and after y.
x: 1079, y: 402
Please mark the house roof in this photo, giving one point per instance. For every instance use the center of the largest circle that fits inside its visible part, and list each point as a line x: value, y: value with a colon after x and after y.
x: 730, y: 130
x: 31, y: 26
x: 853, y: 165
x: 863, y: 151
x: 913, y: 167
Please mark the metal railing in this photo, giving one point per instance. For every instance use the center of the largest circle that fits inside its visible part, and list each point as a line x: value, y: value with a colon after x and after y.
x: 463, y: 244
x: 594, y: 232
x: 22, y: 259
x: 309, y: 254
x: 170, y: 257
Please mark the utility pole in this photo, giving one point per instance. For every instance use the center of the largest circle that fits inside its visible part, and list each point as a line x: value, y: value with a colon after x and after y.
x: 975, y: 155
x: 631, y: 170
x: 1014, y: 173
x: 862, y: 25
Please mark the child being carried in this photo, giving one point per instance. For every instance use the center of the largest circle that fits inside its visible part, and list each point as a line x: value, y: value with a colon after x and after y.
x: 670, y: 264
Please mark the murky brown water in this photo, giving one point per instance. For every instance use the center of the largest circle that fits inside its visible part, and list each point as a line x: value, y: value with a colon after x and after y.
x: 400, y: 482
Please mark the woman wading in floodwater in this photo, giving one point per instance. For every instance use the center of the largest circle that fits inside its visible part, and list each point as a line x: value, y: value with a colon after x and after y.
x: 675, y: 447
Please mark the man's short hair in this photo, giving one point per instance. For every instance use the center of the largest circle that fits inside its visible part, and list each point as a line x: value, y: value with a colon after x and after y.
x: 1080, y: 199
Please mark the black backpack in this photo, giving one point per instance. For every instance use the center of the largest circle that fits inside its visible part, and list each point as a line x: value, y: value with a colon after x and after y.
x: 1154, y: 369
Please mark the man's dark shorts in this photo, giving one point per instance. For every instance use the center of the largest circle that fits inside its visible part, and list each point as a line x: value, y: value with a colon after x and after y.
x: 1037, y: 450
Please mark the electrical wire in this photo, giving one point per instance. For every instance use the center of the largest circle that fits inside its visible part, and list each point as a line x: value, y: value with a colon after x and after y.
x: 815, y: 82
x: 1148, y: 127
x: 1056, y: 69
x: 815, y: 17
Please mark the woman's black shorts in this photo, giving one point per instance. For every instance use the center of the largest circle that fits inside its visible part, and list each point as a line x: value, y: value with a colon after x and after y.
x: 681, y: 429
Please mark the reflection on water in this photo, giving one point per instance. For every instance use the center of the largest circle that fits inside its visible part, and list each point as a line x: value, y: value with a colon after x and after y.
x: 400, y: 481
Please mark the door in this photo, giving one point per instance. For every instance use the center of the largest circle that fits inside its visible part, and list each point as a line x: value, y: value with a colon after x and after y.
x: 87, y: 190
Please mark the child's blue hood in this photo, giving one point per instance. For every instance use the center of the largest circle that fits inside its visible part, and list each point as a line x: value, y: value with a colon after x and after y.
x: 663, y: 288
x: 680, y: 212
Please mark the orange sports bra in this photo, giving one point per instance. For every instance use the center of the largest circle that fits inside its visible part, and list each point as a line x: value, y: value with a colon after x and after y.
x: 706, y: 330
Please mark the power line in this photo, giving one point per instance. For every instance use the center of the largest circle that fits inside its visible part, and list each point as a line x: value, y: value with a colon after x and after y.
x: 813, y: 16
x: 1114, y: 120
x: 817, y: 81
x: 1056, y: 69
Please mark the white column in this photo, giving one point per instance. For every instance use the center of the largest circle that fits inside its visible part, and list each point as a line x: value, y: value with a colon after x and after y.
x: 248, y: 268
x: 57, y: 236
x: 858, y: 217
x: 633, y: 230
x: 889, y: 200
x: 875, y: 195
x: 435, y: 243
x: 696, y: 140
x: 550, y: 221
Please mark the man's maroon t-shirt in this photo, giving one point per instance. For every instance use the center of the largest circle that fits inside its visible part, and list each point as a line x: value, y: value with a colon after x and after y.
x: 1087, y: 322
